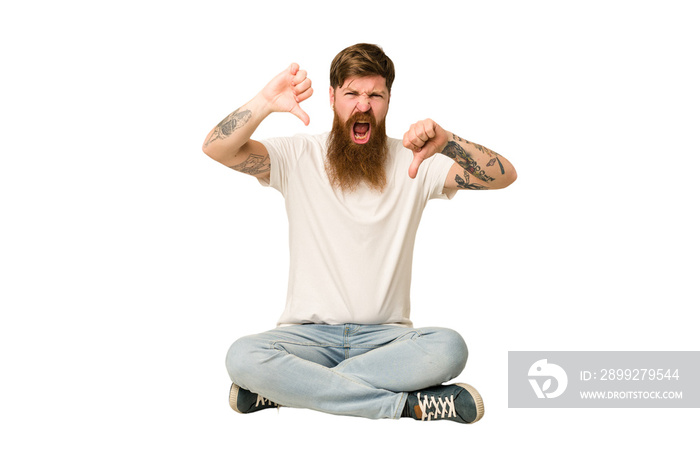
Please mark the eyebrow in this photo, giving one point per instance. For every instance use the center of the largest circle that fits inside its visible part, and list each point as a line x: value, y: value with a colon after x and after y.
x: 352, y: 89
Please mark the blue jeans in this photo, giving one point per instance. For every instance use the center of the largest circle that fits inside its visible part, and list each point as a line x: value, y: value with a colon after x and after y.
x: 354, y: 370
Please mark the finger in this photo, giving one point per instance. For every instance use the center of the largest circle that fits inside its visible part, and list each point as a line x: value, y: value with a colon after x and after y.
x: 419, y: 139
x: 299, y: 77
x: 413, y: 169
x: 409, y: 138
x: 409, y: 141
x: 304, y: 95
x: 430, y: 129
x: 302, y: 86
x: 425, y: 130
x: 420, y: 132
x: 293, y: 68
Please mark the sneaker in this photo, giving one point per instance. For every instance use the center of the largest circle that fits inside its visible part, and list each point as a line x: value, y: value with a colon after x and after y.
x: 243, y: 401
x: 459, y: 402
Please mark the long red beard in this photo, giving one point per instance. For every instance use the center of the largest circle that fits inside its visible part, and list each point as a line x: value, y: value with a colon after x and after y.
x: 349, y: 163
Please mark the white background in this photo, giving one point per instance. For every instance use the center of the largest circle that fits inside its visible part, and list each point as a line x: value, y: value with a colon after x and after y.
x: 130, y: 260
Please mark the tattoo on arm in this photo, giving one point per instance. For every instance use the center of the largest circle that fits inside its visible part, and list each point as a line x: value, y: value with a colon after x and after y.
x: 230, y: 124
x: 464, y: 160
x: 493, y: 154
x: 254, y: 165
x: 464, y: 182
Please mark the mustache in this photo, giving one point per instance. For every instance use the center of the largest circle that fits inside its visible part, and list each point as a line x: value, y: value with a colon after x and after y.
x: 361, y: 118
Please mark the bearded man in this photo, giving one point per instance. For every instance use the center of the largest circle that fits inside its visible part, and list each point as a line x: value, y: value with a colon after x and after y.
x: 345, y: 343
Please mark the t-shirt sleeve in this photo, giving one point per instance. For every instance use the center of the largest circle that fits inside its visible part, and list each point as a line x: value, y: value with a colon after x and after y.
x: 283, y: 152
x: 436, y: 169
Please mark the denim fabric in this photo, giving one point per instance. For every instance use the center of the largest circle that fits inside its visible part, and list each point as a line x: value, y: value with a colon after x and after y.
x: 354, y: 370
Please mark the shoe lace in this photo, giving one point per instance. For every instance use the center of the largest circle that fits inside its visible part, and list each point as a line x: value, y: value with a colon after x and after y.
x: 442, y: 407
x: 264, y: 401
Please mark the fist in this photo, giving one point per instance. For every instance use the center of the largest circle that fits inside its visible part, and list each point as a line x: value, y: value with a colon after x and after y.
x: 424, y: 139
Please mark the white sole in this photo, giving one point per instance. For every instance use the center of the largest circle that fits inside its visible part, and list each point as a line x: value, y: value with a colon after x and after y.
x: 233, y: 397
x: 478, y: 401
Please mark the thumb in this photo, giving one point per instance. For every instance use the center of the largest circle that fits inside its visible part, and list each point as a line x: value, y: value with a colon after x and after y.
x: 301, y: 114
x: 413, y: 169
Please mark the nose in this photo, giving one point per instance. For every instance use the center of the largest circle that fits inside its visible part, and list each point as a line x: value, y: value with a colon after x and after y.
x: 363, y: 105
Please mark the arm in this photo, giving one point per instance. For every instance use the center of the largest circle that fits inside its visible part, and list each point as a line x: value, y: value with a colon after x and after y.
x: 230, y: 141
x: 475, y: 167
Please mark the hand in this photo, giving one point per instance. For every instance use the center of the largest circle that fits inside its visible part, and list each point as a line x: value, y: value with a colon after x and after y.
x: 425, y: 139
x: 287, y: 90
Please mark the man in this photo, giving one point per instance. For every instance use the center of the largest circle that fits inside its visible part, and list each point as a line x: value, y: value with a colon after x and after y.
x: 344, y: 343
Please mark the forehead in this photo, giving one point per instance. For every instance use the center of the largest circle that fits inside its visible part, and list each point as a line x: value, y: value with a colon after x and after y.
x: 368, y: 84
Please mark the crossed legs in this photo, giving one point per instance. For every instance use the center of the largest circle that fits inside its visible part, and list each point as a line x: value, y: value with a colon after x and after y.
x: 356, y: 370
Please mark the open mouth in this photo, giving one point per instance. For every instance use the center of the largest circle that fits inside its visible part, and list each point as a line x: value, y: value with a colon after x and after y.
x: 360, y: 132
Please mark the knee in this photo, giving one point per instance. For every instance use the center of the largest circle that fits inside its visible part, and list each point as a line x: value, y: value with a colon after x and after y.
x: 452, y: 351
x: 240, y: 358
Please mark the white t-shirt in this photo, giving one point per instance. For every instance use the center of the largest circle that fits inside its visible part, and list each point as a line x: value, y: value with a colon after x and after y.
x: 350, y: 253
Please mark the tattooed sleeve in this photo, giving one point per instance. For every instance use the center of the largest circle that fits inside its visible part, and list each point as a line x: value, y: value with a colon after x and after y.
x: 229, y: 124
x: 465, y: 184
x: 254, y: 165
x: 464, y: 160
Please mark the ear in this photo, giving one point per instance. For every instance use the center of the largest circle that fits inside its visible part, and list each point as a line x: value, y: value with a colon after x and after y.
x: 331, y: 95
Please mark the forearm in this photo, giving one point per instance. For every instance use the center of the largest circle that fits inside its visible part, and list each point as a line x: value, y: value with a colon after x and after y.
x: 227, y: 141
x: 482, y: 167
